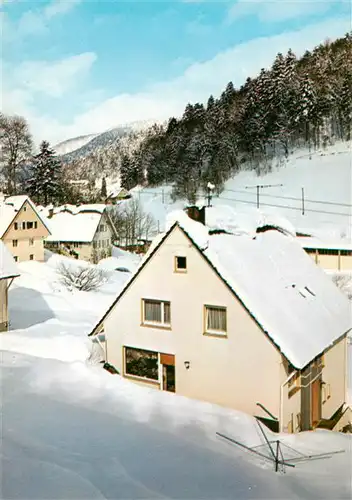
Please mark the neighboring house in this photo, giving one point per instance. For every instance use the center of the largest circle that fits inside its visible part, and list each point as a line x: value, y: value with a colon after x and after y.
x: 117, y: 195
x: 330, y: 256
x: 8, y: 271
x: 246, y: 321
x: 22, y: 228
x: 85, y: 232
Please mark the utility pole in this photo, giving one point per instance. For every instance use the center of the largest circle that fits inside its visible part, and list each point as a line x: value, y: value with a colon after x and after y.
x: 302, y: 201
x: 210, y: 188
x: 262, y: 186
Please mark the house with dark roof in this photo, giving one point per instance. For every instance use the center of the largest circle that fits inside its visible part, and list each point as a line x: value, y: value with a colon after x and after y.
x: 240, y: 318
x: 8, y: 271
x: 22, y: 229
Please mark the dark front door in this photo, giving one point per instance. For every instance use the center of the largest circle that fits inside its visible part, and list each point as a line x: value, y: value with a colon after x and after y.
x: 168, y: 362
x: 169, y: 378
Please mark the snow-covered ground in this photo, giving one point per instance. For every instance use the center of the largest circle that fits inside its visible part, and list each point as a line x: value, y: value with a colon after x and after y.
x: 326, y: 177
x: 74, y: 431
x: 49, y: 321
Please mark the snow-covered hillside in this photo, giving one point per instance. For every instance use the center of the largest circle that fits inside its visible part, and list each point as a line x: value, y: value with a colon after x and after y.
x: 325, y: 176
x: 70, y: 145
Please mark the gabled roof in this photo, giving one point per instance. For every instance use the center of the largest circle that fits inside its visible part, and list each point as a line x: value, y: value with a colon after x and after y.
x: 287, y: 294
x: 10, y: 208
x: 8, y: 268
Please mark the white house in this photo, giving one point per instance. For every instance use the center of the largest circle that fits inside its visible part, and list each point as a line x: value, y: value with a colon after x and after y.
x: 243, y: 319
x: 85, y: 232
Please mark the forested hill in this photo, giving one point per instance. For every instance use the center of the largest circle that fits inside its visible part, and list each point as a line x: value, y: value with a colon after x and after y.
x: 302, y: 102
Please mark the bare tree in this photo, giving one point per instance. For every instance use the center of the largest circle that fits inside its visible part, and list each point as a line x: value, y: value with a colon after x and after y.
x: 131, y: 223
x: 344, y: 283
x: 82, y: 278
x: 15, y: 145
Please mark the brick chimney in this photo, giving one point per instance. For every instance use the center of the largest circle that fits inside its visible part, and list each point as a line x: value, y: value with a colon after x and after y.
x: 197, y: 214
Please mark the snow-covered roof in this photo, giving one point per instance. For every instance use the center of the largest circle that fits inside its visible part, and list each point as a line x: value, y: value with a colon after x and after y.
x: 313, y: 243
x: 73, y: 209
x: 291, y: 298
x: 116, y: 191
x: 7, y: 214
x: 79, y: 227
x: 17, y: 201
x: 8, y: 268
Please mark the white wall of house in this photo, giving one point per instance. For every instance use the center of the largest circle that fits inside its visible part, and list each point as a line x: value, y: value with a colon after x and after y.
x: 237, y: 370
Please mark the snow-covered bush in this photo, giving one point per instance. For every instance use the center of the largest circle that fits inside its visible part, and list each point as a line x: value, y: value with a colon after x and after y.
x: 82, y: 278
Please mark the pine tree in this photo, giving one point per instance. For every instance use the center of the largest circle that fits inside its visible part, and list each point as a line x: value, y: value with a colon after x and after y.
x: 103, y: 192
x: 45, y: 182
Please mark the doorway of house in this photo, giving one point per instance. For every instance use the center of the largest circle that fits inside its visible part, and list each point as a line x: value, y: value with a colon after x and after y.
x: 169, y: 379
x: 316, y: 402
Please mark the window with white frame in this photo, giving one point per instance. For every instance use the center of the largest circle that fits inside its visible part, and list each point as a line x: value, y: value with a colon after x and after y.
x: 156, y: 312
x: 215, y: 320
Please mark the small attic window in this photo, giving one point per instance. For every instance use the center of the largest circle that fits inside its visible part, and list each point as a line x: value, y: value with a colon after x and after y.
x: 24, y: 208
x: 180, y: 264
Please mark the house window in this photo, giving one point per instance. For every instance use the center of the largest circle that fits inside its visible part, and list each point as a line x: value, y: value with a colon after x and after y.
x: 31, y: 257
x: 14, y: 243
x: 16, y: 226
x: 35, y: 224
x: 25, y: 209
x: 141, y: 363
x: 29, y: 225
x: 215, y: 320
x: 156, y: 312
x: 31, y: 242
x: 23, y: 225
x: 15, y: 258
x: 181, y: 264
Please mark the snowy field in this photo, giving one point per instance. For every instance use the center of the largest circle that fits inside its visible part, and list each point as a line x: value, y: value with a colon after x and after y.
x: 326, y: 177
x: 70, y: 430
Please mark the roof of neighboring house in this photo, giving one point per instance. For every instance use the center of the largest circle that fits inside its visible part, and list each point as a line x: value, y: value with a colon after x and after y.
x: 315, y: 243
x: 68, y: 227
x: 286, y: 293
x: 8, y: 268
x: 10, y: 208
x: 115, y: 192
x: 73, y: 209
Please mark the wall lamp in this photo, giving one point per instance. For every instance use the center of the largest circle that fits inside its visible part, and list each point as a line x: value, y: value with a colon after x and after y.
x: 187, y: 365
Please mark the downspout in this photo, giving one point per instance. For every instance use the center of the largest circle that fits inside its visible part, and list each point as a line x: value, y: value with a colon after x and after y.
x: 282, y: 399
x: 8, y: 286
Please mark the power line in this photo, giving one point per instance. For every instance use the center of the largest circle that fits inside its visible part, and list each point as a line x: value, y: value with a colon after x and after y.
x: 271, y: 204
x: 286, y: 207
x: 292, y: 198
